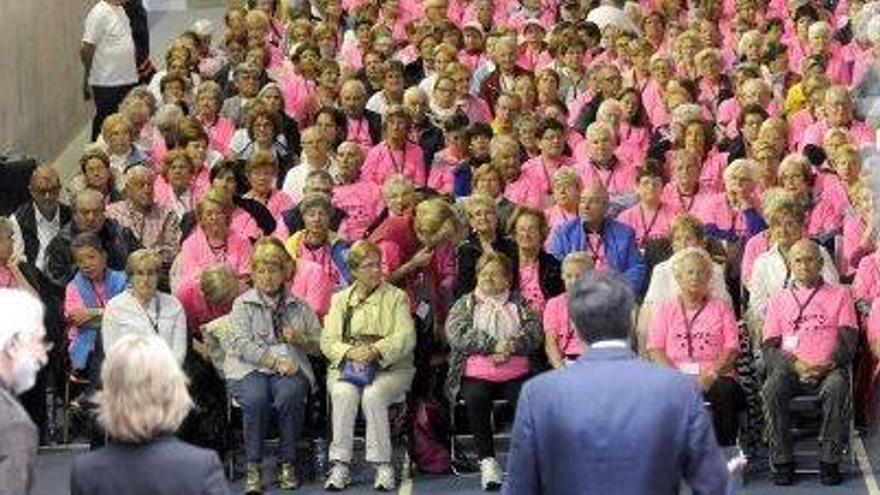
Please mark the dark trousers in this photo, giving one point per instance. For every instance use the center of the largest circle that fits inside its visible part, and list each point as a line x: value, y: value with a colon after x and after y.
x: 107, y: 100
x: 726, y: 399
x: 260, y: 395
x: 782, y: 384
x: 478, y: 396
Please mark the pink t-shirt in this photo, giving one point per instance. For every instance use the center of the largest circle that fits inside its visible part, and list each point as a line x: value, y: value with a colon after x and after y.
x: 757, y: 245
x: 362, y: 202
x: 852, y: 251
x: 648, y: 226
x: 220, y: 134
x: 530, y: 287
x: 682, y: 204
x: 313, y: 286
x: 358, y: 130
x: 873, y: 325
x: 382, y: 162
x: 866, y: 284
x: 557, y: 322
x: 700, y: 336
x: 526, y: 190
x: 812, y: 337
x: 619, y: 181
x: 715, y: 210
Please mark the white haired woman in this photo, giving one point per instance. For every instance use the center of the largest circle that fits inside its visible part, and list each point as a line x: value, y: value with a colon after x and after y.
x: 143, y: 402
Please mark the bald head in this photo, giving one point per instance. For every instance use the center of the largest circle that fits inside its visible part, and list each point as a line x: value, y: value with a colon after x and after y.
x: 44, y: 188
x: 88, y: 211
x: 805, y: 262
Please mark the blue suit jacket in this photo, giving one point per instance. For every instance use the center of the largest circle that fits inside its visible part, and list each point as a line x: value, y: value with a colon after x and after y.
x: 163, y: 466
x: 621, y: 249
x: 613, y: 424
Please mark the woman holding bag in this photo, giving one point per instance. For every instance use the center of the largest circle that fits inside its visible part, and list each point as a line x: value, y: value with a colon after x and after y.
x: 369, y: 340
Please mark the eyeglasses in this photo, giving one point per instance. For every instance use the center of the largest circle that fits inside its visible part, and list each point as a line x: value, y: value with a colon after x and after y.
x: 145, y: 273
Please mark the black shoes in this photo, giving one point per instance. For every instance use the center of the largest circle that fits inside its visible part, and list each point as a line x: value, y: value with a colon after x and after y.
x: 829, y: 474
x: 783, y: 474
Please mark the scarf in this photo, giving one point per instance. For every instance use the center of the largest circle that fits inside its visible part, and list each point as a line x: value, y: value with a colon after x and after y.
x: 495, y: 315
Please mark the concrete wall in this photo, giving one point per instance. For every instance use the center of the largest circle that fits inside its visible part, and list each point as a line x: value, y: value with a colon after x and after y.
x: 41, y: 106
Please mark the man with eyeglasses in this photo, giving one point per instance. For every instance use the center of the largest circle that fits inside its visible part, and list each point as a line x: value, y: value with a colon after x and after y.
x: 37, y: 222
x: 23, y: 351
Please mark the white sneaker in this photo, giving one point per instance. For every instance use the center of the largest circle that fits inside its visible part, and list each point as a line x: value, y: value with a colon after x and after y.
x: 385, y: 480
x: 490, y: 474
x: 339, y: 477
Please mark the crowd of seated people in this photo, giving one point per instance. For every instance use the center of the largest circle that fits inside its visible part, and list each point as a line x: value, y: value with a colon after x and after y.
x: 358, y: 201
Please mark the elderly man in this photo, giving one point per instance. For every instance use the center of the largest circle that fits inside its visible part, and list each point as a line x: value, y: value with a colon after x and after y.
x: 638, y: 428
x: 362, y: 126
x: 506, y: 71
x: 597, y: 162
x: 36, y: 223
x: 315, y: 156
x: 88, y: 216
x: 23, y: 351
x: 611, y: 244
x: 810, y: 337
x: 153, y: 225
x: 422, y: 131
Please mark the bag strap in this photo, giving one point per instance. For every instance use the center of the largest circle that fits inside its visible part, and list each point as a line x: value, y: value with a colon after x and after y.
x: 349, y: 310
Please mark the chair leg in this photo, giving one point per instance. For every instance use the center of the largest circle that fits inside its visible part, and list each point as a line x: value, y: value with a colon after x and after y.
x: 65, y: 435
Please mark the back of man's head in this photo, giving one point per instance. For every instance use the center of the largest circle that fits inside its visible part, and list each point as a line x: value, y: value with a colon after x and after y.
x: 601, y: 306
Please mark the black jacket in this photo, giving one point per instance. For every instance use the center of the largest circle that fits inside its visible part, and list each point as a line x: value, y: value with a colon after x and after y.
x: 164, y: 466
x: 118, y: 243
x: 26, y: 218
x: 549, y: 274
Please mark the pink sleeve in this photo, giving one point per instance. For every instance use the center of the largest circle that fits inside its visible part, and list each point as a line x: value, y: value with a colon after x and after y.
x: 370, y: 168
x: 659, y: 328
x: 848, y: 310
x: 865, y: 283
x: 72, y: 302
x: 773, y: 320
x: 444, y: 263
x: 874, y: 322
x: 440, y: 179
x: 729, y: 327
x: 551, y: 317
x: 390, y: 257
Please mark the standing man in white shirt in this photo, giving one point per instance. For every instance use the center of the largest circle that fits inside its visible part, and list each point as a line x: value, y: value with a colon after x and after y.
x: 108, y: 57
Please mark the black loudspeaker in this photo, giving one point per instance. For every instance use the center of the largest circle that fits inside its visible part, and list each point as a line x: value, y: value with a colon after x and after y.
x: 15, y: 174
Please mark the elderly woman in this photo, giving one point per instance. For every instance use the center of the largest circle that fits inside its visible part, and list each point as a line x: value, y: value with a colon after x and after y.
x: 208, y: 100
x: 823, y: 219
x: 143, y: 403
x: 317, y: 243
x: 153, y: 225
x: 116, y: 139
x: 141, y: 309
x: 537, y: 274
x: 95, y: 173
x: 361, y: 200
x: 485, y: 235
x: 393, y: 230
x: 273, y: 98
x: 211, y: 242
x: 173, y: 188
x: 395, y: 154
x: 697, y: 334
x: 262, y: 132
x: 561, y: 343
x: 272, y: 333
x: 491, y: 333
x: 261, y: 171
x: 369, y: 339
x: 686, y: 231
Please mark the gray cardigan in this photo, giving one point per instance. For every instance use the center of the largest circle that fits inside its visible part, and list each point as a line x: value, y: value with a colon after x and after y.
x: 252, y: 335
x: 465, y: 341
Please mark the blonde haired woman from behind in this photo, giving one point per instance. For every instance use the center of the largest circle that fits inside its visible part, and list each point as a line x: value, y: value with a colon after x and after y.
x: 142, y: 404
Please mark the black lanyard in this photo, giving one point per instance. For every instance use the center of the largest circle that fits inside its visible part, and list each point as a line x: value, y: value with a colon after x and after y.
x: 803, y: 307
x: 277, y: 308
x: 154, y: 322
x: 648, y: 227
x: 689, y: 326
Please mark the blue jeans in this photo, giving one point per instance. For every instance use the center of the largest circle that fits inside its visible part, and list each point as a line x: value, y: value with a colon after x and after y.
x: 259, y: 395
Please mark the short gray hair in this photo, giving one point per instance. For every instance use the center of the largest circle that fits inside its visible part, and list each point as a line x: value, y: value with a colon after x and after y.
x: 601, y: 306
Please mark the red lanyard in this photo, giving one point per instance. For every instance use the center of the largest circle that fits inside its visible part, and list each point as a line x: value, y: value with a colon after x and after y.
x: 398, y: 165
x: 689, y: 326
x: 595, y: 251
x: 681, y: 201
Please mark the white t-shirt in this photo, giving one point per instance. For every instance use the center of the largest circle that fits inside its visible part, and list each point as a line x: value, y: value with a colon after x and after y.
x: 108, y: 29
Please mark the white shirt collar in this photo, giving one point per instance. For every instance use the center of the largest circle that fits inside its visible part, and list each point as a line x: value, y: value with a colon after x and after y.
x: 38, y: 215
x: 610, y: 344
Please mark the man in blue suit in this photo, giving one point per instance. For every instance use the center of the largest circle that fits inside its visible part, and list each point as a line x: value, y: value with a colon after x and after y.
x: 611, y: 423
x: 610, y: 243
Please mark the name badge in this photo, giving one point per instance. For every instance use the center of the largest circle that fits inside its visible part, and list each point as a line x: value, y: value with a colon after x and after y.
x: 789, y: 342
x: 690, y: 368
